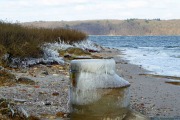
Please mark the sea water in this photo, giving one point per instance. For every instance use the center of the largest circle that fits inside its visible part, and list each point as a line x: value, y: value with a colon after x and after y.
x: 158, y: 54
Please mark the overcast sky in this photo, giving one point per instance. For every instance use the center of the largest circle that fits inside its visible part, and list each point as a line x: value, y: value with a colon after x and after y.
x: 67, y: 10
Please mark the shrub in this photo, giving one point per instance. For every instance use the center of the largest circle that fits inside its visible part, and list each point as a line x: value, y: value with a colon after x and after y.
x: 25, y: 42
x: 3, y: 52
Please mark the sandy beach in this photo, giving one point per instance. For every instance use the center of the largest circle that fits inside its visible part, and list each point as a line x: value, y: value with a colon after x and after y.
x: 150, y: 95
x: 48, y: 97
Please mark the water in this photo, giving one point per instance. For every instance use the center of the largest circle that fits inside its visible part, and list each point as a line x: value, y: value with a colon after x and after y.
x: 158, y: 54
x: 111, y: 105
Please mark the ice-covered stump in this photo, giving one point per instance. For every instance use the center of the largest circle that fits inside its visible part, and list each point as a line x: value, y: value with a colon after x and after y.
x: 97, y: 91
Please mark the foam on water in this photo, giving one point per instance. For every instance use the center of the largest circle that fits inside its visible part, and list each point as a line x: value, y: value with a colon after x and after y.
x: 159, y: 54
x: 156, y: 60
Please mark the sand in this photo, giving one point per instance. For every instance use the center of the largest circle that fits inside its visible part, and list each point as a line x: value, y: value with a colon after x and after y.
x: 48, y: 98
x: 150, y: 94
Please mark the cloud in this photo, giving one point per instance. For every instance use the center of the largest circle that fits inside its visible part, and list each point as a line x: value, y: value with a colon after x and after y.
x: 137, y: 4
x: 26, y: 10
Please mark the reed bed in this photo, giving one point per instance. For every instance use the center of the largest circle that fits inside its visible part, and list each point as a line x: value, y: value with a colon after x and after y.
x: 22, y: 42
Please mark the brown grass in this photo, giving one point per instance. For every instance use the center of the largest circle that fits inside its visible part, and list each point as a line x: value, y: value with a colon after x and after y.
x: 6, y: 79
x: 27, y: 41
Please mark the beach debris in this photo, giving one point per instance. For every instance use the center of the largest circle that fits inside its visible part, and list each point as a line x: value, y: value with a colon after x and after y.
x: 12, y: 111
x: 45, y: 73
x: 47, y: 103
x: 24, y: 112
x: 173, y: 82
x: 6, y: 78
x: 55, y: 93
x: 19, y: 100
x: 73, y: 53
x: 9, y: 111
x: 25, y: 80
x: 62, y: 115
x: 162, y: 76
x: 36, y: 86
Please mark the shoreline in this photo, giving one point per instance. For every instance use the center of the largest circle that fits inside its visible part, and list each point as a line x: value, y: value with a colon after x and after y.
x: 48, y: 98
x: 154, y: 96
x: 150, y: 94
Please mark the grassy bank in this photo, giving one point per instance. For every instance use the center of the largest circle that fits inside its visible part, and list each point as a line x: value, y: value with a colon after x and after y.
x: 22, y: 42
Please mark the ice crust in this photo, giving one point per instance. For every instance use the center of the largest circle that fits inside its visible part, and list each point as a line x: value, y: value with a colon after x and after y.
x: 87, y: 45
x: 51, y: 53
x: 95, y: 78
x: 96, y: 73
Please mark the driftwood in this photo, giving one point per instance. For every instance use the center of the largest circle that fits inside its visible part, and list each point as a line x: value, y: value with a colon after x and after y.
x: 12, y: 111
x: 24, y: 112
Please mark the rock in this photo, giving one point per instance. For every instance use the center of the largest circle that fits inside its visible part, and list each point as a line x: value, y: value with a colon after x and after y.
x: 71, y: 53
x: 60, y: 114
x: 25, y: 80
x: 55, y: 94
x: 48, y: 103
x: 45, y: 73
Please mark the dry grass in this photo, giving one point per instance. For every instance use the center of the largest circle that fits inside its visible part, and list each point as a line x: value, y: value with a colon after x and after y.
x: 6, y: 79
x: 27, y: 41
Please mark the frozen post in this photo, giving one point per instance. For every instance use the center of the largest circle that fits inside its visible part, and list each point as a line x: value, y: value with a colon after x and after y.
x: 96, y: 91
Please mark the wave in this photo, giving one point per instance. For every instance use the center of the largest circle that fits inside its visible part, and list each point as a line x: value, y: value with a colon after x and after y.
x: 172, y: 47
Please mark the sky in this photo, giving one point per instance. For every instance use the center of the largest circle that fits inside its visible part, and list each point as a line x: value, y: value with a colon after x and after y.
x: 70, y: 10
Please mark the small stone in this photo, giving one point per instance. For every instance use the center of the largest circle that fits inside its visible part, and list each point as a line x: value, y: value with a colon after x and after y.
x: 48, y: 103
x: 36, y: 86
x: 60, y: 114
x: 24, y: 80
x: 55, y: 94
x: 45, y: 73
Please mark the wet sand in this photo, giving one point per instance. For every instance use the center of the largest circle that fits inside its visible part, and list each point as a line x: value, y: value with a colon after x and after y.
x: 151, y: 95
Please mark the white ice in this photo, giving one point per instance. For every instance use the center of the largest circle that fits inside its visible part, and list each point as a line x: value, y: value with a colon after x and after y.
x: 93, y: 78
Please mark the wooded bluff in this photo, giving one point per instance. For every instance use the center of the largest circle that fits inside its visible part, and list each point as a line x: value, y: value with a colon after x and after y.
x: 116, y: 27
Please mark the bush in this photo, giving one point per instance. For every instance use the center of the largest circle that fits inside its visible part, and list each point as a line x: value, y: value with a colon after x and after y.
x: 25, y: 42
x: 3, y: 52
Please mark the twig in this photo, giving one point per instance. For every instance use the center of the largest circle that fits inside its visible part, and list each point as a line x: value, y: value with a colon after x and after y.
x: 12, y: 111
x: 24, y: 112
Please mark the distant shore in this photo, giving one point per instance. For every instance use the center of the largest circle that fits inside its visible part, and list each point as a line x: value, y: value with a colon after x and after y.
x: 115, y: 27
